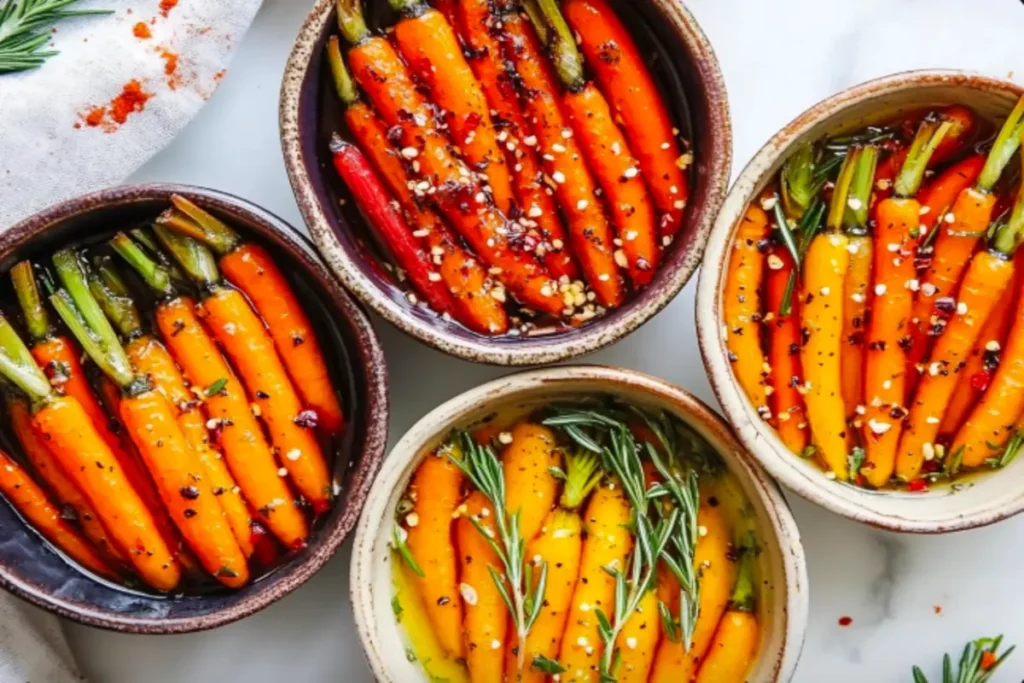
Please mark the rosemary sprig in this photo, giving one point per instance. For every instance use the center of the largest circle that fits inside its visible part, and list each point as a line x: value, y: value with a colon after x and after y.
x: 977, y: 664
x: 24, y: 30
x: 523, y: 596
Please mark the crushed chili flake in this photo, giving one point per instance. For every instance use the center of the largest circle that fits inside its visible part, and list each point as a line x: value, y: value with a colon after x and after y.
x: 937, y: 609
x: 141, y: 31
x: 917, y: 486
x: 132, y: 99
x: 95, y: 116
x: 166, y: 6
x: 170, y: 67
x: 845, y: 621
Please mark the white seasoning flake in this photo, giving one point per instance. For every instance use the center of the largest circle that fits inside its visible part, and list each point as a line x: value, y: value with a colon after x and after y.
x: 434, y: 277
x: 854, y: 203
x: 768, y: 203
x: 505, y: 438
x: 410, y: 152
x: 495, y: 644
x: 825, y: 291
x: 535, y: 212
x: 680, y: 204
x: 558, y: 148
x: 631, y: 643
x: 620, y: 258
x: 913, y: 285
x: 684, y: 161
x: 558, y: 177
x: 631, y: 173
x: 932, y: 420
x: 949, y: 218
x: 992, y: 346
x: 530, y: 141
x: 961, y: 308
x: 928, y: 450
x: 928, y: 289
x: 282, y: 472
x: 582, y: 205
x: 879, y: 427
x: 879, y: 290
x: 468, y: 594
x: 858, y: 297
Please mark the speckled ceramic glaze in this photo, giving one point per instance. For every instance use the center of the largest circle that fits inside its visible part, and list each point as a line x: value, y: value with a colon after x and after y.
x: 986, y: 499
x: 31, y: 569
x: 697, y: 93
x: 783, y: 597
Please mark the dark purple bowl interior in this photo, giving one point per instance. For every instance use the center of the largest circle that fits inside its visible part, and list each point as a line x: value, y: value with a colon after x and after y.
x: 687, y: 75
x: 32, y: 569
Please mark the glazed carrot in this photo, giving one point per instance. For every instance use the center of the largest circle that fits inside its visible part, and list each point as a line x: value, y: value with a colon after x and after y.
x: 486, y: 620
x: 465, y: 278
x: 717, y: 577
x: 640, y: 635
x: 785, y: 401
x: 607, y: 544
x: 435, y: 492
x: 857, y: 283
x: 49, y: 470
x: 238, y: 434
x: 963, y: 124
x: 988, y: 276
x: 624, y: 78
x: 741, y: 303
x: 572, y: 181
x: 560, y: 545
x: 888, y: 168
x: 386, y: 80
x: 479, y: 26
x: 736, y: 639
x: 149, y: 421
x: 246, y: 342
x: 430, y: 47
x: 30, y: 501
x: 88, y: 461
x: 530, y: 487
x: 897, y: 231
x: 936, y: 199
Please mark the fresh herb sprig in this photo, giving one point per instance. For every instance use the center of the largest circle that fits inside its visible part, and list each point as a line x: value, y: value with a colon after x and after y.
x: 977, y: 664
x: 523, y: 596
x: 24, y: 30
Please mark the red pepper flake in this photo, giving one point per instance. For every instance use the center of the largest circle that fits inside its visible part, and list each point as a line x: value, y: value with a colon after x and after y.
x: 980, y: 380
x: 917, y: 486
x: 109, y: 117
x: 937, y: 609
x: 845, y: 621
x: 166, y: 6
x: 141, y: 31
x: 95, y: 116
x: 988, y: 660
x: 170, y: 67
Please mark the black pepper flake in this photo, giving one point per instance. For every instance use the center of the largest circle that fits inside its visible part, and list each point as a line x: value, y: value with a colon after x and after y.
x: 443, y: 600
x: 189, y: 513
x: 219, y: 491
x: 946, y: 305
x: 99, y: 464
x: 713, y: 502
x: 67, y: 513
x: 298, y: 339
x: 179, y: 327
x: 897, y: 413
x: 262, y: 395
x: 189, y: 492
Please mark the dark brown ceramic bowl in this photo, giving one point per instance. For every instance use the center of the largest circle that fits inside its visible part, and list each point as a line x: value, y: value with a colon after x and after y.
x: 687, y: 70
x: 31, y: 569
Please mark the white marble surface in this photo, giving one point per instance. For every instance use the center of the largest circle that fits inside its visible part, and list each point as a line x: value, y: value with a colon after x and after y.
x: 779, y: 56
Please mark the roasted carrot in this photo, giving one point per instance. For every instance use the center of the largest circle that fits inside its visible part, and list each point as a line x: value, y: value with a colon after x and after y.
x: 988, y: 276
x: 640, y: 634
x: 624, y: 78
x: 743, y: 310
x: 486, y: 621
x: 149, y: 421
x: 897, y: 234
x: 962, y: 228
x: 527, y: 461
x: 457, y: 193
x: 785, y: 401
x: 963, y: 124
x: 607, y: 544
x: 238, y: 434
x: 31, y: 502
x: 435, y: 493
x: 52, y: 476
x: 246, y: 342
x: 717, y: 577
x: 479, y: 26
x: 736, y: 639
x: 88, y: 461
x: 430, y: 47
x: 888, y: 168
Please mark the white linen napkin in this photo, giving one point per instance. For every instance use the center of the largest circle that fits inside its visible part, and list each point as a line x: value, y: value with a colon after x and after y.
x: 63, y: 128
x: 79, y: 123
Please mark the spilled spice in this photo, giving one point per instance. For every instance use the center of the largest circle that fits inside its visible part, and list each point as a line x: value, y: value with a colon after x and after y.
x: 845, y: 621
x: 132, y: 99
x: 170, y: 67
x: 141, y: 31
x: 166, y: 6
x: 937, y: 609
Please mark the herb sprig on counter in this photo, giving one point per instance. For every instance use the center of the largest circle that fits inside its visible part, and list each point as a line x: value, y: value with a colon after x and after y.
x: 977, y: 664
x: 24, y: 30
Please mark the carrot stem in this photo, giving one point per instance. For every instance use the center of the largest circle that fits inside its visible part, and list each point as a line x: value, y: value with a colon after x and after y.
x: 204, y: 227
x: 1008, y: 235
x: 110, y: 291
x: 840, y: 195
x: 855, y: 216
x: 350, y: 21
x: 17, y: 364
x: 558, y: 38
x: 583, y: 472
x: 744, y: 597
x: 798, y: 181
x: 156, y: 276
x: 33, y: 311
x: 1003, y: 149
x: 343, y: 82
x: 928, y: 137
x: 190, y: 254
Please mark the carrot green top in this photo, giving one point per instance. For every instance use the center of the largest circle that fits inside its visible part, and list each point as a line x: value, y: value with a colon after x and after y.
x: 411, y: 8
x: 351, y: 22
x: 18, y: 366
x: 855, y: 215
x: 583, y: 472
x: 197, y: 261
x: 189, y: 219
x: 342, y: 78
x: 1007, y: 236
x: 32, y: 307
x: 106, y: 285
x: 155, y: 275
x: 744, y: 596
x: 1003, y: 149
x: 929, y: 135
x: 555, y: 33
x: 841, y: 192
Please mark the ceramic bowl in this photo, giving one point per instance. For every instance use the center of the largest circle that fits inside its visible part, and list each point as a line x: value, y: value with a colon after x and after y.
x: 783, y: 605
x: 688, y: 71
x: 983, y: 500
x: 30, y: 569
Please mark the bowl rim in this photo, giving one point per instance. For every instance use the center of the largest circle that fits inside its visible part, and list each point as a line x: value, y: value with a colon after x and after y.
x: 756, y: 435
x: 409, y: 448
x: 366, y: 463
x: 717, y: 157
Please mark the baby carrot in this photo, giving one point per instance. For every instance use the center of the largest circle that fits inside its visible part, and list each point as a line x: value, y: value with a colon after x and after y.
x: 435, y: 492
x: 480, y: 28
x: 735, y: 643
x: 486, y: 621
x: 430, y: 47
x: 640, y: 634
x: 29, y: 499
x: 963, y: 124
x: 742, y: 308
x: 246, y: 342
x: 785, y: 401
x: 386, y: 80
x: 149, y: 421
x: 88, y: 461
x: 896, y: 238
x: 624, y: 78
x: 530, y: 487
x: 607, y: 544
x: 238, y: 434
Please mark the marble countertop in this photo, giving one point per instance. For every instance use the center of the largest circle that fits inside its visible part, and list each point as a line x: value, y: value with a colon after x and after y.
x: 910, y: 598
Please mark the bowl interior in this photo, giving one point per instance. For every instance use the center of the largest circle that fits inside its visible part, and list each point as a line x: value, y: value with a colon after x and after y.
x: 782, y: 573
x: 973, y: 502
x: 687, y: 73
x: 33, y: 569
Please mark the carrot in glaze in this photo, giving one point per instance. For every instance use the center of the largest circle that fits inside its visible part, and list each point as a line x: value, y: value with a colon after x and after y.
x: 530, y: 487
x: 785, y: 401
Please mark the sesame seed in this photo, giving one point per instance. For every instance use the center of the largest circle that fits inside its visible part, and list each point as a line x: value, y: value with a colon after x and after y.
x: 879, y: 290
x: 410, y: 152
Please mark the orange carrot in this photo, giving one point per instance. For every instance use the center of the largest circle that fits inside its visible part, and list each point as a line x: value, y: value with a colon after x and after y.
x: 742, y: 308
x: 623, y: 76
x: 31, y: 502
x: 530, y: 487
x: 640, y: 634
x: 430, y: 47
x: 787, y: 405
x: 963, y: 124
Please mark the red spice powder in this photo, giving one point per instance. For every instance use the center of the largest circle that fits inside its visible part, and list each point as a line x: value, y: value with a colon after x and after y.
x: 95, y: 116
x: 141, y: 31
x: 166, y: 6
x: 170, y: 67
x: 937, y: 609
x: 845, y: 621
x: 132, y: 99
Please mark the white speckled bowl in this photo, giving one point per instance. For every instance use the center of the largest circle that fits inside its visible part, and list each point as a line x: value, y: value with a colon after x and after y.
x: 990, y: 498
x: 784, y: 600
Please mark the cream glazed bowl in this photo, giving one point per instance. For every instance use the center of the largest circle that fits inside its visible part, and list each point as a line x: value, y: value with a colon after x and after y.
x: 782, y: 570
x: 977, y: 501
